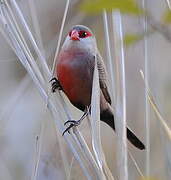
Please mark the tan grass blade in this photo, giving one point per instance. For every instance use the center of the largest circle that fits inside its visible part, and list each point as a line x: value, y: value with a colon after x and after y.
x: 75, y: 141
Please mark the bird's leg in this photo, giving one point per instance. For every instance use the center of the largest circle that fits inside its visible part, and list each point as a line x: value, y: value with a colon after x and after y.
x: 74, y: 123
x: 55, y: 84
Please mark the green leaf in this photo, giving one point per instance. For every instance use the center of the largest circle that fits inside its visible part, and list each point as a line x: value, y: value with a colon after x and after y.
x: 167, y: 17
x: 130, y: 39
x: 97, y: 6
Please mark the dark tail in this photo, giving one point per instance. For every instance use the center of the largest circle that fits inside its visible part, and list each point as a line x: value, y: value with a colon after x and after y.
x: 107, y: 117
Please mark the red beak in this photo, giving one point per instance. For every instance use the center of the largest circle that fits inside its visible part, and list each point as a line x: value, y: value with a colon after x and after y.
x: 75, y: 35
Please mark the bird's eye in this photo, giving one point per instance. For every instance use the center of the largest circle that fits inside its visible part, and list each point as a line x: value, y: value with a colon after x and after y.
x: 82, y: 34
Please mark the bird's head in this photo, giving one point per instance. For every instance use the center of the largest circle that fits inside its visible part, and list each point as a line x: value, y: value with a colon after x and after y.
x: 80, y: 37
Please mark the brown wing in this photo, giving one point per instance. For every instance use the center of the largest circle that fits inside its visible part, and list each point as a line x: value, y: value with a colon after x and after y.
x: 103, y: 78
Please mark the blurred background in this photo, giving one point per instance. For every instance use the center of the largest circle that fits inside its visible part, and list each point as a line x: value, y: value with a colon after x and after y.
x: 23, y: 113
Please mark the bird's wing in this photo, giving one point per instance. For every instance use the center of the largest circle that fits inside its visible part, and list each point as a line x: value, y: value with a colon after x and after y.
x: 103, y: 78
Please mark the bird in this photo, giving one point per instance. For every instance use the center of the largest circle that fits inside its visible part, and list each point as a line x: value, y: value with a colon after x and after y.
x: 74, y: 76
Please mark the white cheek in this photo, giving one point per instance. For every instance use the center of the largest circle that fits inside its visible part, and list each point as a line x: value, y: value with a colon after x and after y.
x: 89, y: 44
x: 67, y: 43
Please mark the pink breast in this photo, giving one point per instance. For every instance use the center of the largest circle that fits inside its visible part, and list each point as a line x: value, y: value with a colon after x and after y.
x: 68, y: 81
x: 73, y: 78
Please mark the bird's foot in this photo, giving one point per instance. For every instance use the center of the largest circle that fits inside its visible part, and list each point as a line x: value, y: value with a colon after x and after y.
x: 55, y: 84
x: 74, y: 123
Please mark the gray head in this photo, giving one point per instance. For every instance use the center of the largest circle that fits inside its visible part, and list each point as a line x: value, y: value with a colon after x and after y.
x: 80, y: 37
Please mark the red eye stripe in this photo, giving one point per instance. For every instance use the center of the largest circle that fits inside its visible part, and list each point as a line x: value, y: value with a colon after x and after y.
x: 84, y: 34
x: 70, y: 33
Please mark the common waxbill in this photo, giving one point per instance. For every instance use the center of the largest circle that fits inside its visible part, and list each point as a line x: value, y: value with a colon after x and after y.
x: 74, y: 71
